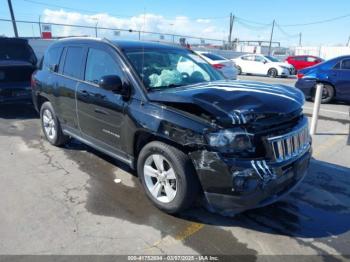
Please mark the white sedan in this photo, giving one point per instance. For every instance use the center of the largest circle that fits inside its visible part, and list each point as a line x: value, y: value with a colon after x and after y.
x: 225, y: 66
x: 263, y: 65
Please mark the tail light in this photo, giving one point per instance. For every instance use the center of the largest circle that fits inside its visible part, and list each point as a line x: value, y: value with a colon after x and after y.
x: 218, y: 66
x: 300, y: 75
x: 32, y: 80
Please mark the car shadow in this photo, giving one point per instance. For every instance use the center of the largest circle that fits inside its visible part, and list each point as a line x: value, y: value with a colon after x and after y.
x: 319, y: 207
x: 310, y: 211
x: 18, y: 111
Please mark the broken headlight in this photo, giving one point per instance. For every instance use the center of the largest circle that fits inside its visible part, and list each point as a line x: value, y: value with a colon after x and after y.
x: 232, y: 141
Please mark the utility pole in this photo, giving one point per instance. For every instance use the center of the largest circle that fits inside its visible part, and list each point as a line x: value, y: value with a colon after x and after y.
x: 13, y: 18
x: 232, y: 18
x: 348, y: 44
x: 273, y: 27
x: 300, y: 35
x: 40, y: 26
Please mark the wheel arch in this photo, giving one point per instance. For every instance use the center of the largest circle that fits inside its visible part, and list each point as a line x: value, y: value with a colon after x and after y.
x: 143, y: 137
x: 313, y: 89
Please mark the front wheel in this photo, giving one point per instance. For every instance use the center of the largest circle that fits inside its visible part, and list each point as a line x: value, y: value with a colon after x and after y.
x: 239, y: 70
x: 272, y: 73
x: 168, y: 177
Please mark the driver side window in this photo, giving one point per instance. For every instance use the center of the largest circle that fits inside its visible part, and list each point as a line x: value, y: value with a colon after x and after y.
x: 99, y: 63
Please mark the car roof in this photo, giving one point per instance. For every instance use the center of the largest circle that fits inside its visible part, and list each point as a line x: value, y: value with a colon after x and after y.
x: 13, y: 40
x: 122, y: 44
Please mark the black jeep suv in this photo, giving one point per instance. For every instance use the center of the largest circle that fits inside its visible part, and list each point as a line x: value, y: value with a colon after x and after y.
x: 17, y: 63
x: 167, y: 113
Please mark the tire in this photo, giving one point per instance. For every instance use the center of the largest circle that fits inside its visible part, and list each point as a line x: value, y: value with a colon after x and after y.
x: 272, y: 73
x: 327, y: 95
x: 169, y: 195
x: 51, y: 126
x: 239, y: 70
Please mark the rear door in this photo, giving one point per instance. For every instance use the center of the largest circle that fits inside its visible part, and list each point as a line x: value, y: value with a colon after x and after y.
x: 247, y: 64
x: 71, y: 72
x: 101, y: 112
x: 343, y: 80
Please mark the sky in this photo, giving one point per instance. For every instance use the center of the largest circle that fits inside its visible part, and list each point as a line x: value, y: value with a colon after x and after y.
x: 202, y: 18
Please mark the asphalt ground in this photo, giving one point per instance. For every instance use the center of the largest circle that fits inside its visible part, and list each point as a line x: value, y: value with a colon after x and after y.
x: 77, y: 201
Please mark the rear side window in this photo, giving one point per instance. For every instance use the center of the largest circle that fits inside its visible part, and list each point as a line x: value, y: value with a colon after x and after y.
x: 345, y: 64
x: 73, y: 62
x: 99, y: 63
x: 249, y: 58
x: 52, y: 58
x: 311, y: 59
x: 213, y: 56
x: 298, y: 58
x: 17, y: 50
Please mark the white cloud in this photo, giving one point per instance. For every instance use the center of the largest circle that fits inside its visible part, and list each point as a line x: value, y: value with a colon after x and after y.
x: 181, y: 25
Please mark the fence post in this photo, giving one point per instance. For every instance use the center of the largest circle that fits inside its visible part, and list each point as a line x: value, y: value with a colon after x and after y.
x: 317, y: 103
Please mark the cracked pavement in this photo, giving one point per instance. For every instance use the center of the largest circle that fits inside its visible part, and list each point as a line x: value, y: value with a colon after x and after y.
x: 65, y: 201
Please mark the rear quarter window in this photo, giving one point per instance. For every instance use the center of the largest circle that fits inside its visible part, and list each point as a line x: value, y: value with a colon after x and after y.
x: 51, y: 58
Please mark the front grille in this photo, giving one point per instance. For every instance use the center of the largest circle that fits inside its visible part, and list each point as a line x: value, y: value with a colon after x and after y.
x: 287, y: 146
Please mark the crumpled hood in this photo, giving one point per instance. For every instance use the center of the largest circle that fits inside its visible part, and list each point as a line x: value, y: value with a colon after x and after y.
x: 224, y: 99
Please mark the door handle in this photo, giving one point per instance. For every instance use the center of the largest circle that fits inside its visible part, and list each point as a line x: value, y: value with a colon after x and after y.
x: 100, y: 111
x: 85, y: 93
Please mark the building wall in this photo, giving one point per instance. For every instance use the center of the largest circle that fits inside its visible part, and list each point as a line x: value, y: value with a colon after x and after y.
x: 325, y: 52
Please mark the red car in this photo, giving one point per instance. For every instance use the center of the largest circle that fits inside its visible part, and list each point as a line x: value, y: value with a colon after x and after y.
x: 301, y: 61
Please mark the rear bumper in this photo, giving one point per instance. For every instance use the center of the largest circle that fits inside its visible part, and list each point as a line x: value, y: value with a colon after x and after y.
x: 230, y: 186
x: 306, y: 86
x: 15, y: 92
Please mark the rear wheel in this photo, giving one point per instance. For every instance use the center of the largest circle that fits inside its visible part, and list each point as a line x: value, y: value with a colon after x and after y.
x: 272, y: 73
x: 167, y: 176
x: 327, y: 94
x: 51, y: 126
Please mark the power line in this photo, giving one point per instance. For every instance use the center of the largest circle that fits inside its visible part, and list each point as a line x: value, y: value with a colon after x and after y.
x: 253, y: 22
x: 318, y: 22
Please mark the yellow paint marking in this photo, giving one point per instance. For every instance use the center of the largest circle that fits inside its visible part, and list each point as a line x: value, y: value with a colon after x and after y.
x: 186, y: 233
x: 189, y: 231
x: 325, y: 146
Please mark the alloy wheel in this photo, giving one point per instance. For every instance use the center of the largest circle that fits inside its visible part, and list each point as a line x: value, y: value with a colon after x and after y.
x: 160, y: 178
x: 49, y: 124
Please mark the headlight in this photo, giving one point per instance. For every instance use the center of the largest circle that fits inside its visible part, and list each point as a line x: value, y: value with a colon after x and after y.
x: 285, y: 67
x: 232, y: 140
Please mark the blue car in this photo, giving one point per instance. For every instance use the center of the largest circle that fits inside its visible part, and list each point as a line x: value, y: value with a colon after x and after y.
x: 334, y: 73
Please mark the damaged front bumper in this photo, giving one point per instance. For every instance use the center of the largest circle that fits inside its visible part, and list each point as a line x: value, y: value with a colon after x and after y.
x: 233, y: 185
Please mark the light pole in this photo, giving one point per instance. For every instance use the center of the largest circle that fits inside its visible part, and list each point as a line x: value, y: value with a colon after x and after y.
x: 95, y: 19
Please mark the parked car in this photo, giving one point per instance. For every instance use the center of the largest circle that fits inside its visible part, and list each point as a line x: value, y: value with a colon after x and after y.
x: 238, y: 145
x: 17, y: 63
x: 334, y: 74
x: 263, y: 65
x: 225, y: 66
x: 302, y: 61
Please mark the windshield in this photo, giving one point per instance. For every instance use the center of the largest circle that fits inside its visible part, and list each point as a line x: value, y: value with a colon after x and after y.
x: 273, y: 59
x: 17, y: 51
x: 167, y: 68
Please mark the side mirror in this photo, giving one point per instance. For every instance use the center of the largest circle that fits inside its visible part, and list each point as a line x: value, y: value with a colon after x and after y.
x: 114, y: 84
x: 264, y: 62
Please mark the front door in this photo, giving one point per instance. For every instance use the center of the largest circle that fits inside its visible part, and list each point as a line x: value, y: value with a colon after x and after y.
x: 100, y: 112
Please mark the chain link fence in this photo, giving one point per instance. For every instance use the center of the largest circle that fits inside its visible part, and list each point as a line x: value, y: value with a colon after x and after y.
x: 32, y: 29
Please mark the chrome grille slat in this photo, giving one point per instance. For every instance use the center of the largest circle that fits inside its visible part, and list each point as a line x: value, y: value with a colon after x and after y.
x: 289, y: 145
